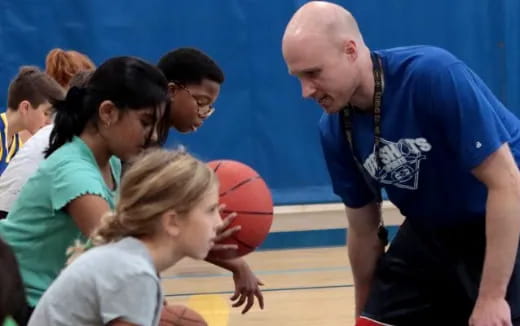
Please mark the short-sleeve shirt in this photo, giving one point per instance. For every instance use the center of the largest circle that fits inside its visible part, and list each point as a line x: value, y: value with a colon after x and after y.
x: 438, y: 122
x: 37, y: 228
x: 113, y: 281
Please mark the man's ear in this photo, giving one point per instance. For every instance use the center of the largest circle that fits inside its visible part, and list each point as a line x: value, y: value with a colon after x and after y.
x: 350, y: 49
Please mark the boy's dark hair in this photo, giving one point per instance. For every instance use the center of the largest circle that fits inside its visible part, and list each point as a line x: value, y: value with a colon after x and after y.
x: 33, y: 85
x: 189, y: 66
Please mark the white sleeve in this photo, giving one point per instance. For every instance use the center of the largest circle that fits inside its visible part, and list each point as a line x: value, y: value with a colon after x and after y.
x: 22, y: 166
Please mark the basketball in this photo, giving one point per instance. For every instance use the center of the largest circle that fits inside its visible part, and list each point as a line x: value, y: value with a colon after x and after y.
x: 179, y: 315
x: 244, y: 192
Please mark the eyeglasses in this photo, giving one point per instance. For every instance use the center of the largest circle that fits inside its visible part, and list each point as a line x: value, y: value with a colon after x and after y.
x: 204, y: 111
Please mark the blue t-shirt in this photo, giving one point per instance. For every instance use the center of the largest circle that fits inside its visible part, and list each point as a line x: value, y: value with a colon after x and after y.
x: 438, y: 122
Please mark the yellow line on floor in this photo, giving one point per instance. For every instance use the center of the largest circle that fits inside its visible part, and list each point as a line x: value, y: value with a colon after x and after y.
x: 213, y: 307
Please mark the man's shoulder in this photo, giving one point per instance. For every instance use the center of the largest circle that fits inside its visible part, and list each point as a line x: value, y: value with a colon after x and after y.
x: 417, y: 58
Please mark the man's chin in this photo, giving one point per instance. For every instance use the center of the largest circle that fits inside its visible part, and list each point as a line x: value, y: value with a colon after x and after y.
x: 331, y: 109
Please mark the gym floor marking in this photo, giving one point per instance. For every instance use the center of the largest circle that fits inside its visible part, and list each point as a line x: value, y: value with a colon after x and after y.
x: 213, y: 308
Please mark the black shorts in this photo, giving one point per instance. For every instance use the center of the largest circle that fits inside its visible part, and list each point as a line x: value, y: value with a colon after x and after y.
x: 432, y: 277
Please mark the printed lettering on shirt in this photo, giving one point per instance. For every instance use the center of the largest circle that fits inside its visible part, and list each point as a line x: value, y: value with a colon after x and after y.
x: 401, y: 162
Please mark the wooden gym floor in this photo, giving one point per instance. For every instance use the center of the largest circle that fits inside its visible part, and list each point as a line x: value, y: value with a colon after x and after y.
x: 303, y: 286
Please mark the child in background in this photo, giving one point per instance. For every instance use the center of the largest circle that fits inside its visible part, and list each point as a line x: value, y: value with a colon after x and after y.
x: 29, y: 108
x: 63, y: 65
x: 28, y: 158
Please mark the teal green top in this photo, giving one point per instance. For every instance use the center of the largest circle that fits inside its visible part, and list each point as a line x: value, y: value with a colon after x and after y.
x: 9, y: 322
x: 37, y: 228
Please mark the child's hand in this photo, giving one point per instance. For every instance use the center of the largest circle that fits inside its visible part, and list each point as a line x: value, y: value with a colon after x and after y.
x: 222, y: 233
x: 247, y: 287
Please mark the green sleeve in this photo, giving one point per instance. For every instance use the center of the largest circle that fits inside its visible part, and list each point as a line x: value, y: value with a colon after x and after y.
x: 73, y: 179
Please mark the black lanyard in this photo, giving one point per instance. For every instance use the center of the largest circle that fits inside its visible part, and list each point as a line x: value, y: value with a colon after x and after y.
x: 347, y: 123
x: 347, y: 126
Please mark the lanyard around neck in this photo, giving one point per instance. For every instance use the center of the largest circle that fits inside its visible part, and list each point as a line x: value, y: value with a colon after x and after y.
x: 377, y: 102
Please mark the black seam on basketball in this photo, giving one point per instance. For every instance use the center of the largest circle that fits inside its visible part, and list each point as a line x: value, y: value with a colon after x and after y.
x: 218, y: 165
x: 240, y: 184
x: 248, y: 246
x: 226, y: 211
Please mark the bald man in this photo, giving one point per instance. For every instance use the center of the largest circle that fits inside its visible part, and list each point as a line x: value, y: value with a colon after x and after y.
x: 419, y: 123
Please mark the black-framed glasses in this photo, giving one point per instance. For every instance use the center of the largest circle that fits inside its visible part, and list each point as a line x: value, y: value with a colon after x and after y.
x: 204, y: 111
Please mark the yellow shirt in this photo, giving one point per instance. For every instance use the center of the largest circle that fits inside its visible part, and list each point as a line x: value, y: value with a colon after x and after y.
x: 7, y: 151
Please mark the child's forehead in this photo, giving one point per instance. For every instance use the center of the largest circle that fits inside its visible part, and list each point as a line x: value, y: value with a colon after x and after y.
x: 206, y: 86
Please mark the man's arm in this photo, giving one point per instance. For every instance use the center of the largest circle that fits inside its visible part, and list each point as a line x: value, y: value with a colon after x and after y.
x: 364, y: 248
x: 501, y: 176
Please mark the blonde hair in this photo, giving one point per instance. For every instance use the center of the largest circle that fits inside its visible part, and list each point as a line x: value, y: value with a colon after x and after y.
x: 63, y: 65
x: 157, y: 181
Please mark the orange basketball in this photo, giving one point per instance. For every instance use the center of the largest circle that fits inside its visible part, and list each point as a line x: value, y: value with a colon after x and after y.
x: 179, y: 315
x: 244, y: 192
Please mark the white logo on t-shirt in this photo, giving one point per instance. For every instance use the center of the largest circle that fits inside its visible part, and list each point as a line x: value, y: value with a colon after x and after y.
x: 400, y: 160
